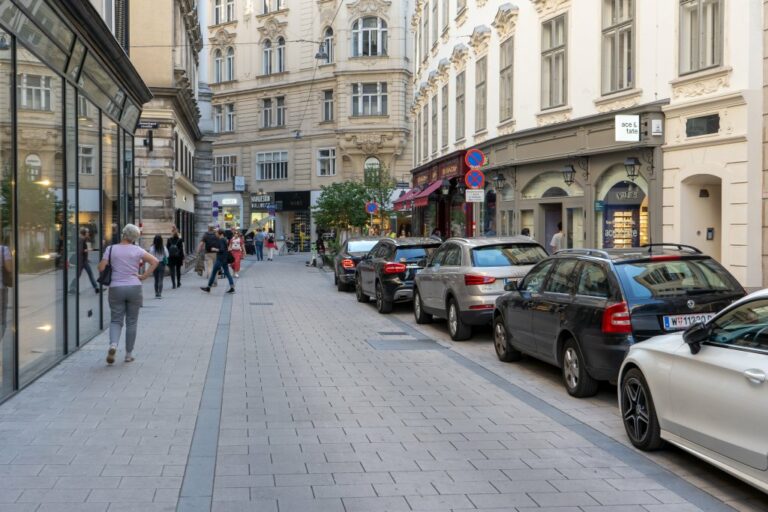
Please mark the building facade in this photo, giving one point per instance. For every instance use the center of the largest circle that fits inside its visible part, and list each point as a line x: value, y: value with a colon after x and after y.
x: 584, y: 123
x: 165, y: 46
x: 70, y: 101
x: 305, y: 93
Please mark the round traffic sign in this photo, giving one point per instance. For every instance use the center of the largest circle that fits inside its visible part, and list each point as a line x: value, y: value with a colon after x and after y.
x: 474, y: 158
x: 371, y: 207
x: 475, y: 179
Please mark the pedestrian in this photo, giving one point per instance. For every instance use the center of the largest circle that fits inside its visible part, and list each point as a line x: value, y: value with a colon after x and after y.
x: 6, y: 282
x: 258, y: 241
x: 436, y: 235
x: 175, y: 248
x: 125, y: 298
x: 556, y: 244
x: 526, y: 233
x: 236, y: 245
x: 158, y: 250
x: 222, y: 263
x: 271, y: 245
x: 83, y: 263
x: 206, y: 245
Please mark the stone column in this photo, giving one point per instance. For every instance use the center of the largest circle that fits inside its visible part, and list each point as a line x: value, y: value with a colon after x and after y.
x: 203, y: 181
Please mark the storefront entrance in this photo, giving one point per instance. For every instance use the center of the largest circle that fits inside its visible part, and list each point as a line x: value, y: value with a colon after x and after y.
x: 701, y: 224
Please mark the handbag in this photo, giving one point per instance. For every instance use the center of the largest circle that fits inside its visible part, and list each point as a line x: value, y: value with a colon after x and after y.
x: 105, y: 276
x: 230, y: 258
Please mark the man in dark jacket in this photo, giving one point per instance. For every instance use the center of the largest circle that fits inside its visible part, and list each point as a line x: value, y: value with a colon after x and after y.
x: 222, y: 263
x: 175, y: 248
x: 83, y: 263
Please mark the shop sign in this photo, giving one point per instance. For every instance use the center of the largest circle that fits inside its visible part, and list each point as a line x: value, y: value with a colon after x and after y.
x: 475, y: 196
x: 624, y: 193
x: 292, y: 201
x: 261, y: 201
x: 599, y: 206
x: 627, y: 128
x: 239, y: 183
x: 230, y: 201
x: 148, y: 125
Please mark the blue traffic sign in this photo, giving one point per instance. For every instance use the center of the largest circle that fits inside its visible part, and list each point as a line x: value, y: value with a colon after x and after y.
x: 474, y: 158
x: 371, y: 207
x: 475, y: 179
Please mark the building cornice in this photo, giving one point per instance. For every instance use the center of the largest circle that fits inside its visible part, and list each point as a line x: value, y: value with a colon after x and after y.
x: 505, y: 21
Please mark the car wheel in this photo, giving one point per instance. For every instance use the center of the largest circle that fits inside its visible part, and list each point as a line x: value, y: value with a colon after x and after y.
x: 504, y: 350
x: 422, y: 317
x: 383, y: 305
x: 361, y: 297
x: 458, y: 330
x: 578, y: 382
x: 340, y: 285
x: 638, y: 412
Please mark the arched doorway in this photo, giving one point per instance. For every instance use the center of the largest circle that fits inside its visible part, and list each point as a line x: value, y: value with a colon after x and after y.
x: 701, y: 213
x: 548, y: 203
x: 621, y: 210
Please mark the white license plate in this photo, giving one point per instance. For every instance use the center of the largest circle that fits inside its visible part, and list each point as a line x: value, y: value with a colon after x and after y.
x: 679, y: 322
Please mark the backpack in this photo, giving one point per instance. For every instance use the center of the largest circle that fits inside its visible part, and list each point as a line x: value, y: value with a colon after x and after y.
x: 173, y: 250
x: 210, y: 241
x: 271, y: 239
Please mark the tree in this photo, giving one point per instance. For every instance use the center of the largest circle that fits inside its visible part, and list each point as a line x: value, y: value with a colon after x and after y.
x: 341, y: 206
x: 379, y: 185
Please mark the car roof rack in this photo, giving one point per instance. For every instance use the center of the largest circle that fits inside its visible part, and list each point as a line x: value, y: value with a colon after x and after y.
x: 585, y: 252
x: 679, y: 247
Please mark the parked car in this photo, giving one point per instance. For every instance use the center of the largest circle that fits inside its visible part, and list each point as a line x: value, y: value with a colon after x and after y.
x: 387, y: 272
x: 345, y: 262
x: 705, y: 390
x: 582, y: 309
x: 464, y: 277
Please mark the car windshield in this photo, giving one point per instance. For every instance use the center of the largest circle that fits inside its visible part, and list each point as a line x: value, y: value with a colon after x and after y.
x: 504, y: 255
x: 361, y: 246
x: 413, y: 254
x: 675, y: 278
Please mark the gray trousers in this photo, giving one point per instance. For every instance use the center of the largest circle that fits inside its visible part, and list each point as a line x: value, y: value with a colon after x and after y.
x: 124, y: 303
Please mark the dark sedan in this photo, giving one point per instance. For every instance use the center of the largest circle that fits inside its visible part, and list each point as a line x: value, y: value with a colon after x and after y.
x: 387, y: 272
x: 345, y: 262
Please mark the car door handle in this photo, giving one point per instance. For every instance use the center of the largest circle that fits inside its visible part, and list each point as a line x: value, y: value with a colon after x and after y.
x: 756, y: 376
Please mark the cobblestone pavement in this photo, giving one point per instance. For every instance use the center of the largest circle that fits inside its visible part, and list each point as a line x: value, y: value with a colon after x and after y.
x: 289, y: 396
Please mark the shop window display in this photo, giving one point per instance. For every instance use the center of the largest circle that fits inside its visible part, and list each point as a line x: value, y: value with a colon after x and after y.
x: 621, y: 210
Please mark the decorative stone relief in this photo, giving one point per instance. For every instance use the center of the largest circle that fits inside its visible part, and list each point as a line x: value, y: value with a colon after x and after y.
x: 506, y: 128
x: 699, y: 87
x: 248, y: 12
x: 561, y: 116
x: 222, y: 39
x: 618, y: 104
x: 459, y: 56
x: 369, y: 7
x: 505, y: 20
x: 272, y: 29
x: 546, y: 7
x: 479, y: 39
x: 481, y: 3
x: 443, y: 69
x: 369, y: 143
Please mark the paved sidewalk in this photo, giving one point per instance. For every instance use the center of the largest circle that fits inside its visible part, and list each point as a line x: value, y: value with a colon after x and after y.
x: 310, y: 402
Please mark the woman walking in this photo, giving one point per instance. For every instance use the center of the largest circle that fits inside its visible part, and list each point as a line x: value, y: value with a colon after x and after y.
x: 175, y: 248
x: 271, y: 245
x: 159, y: 251
x: 236, y: 245
x: 125, y: 297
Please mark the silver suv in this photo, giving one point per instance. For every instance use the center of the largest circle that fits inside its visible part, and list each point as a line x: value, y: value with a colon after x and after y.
x: 465, y: 275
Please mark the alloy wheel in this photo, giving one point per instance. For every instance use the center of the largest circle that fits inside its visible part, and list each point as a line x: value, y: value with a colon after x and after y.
x: 634, y: 406
x: 417, y: 305
x: 453, y: 319
x: 571, y: 367
x: 500, y: 339
x: 379, y: 296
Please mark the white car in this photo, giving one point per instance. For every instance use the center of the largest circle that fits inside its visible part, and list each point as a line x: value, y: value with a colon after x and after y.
x: 705, y: 390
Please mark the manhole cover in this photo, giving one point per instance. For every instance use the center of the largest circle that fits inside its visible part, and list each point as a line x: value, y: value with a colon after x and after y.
x: 392, y: 344
x: 392, y: 333
x: 262, y: 304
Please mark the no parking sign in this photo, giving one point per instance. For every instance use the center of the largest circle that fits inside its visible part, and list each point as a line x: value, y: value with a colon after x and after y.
x: 371, y: 208
x: 475, y: 179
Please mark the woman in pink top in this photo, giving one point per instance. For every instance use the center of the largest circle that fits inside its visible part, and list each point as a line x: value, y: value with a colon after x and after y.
x: 125, y: 298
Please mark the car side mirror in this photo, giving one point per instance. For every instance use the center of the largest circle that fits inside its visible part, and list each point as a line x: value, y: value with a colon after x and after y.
x: 695, y: 335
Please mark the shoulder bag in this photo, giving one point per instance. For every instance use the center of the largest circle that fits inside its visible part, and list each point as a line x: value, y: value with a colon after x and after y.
x: 105, y: 276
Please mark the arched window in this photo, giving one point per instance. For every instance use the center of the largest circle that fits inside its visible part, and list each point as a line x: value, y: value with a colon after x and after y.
x: 267, y: 67
x: 230, y: 63
x: 33, y: 165
x: 371, y: 168
x: 328, y: 45
x: 369, y: 37
x: 218, y: 63
x: 280, y: 55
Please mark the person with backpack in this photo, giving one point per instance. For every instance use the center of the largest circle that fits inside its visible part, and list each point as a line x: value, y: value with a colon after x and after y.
x: 175, y: 248
x: 236, y: 244
x: 271, y: 245
x: 158, y: 250
x: 208, y: 242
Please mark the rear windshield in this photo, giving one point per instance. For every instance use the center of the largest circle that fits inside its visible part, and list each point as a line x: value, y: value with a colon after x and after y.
x: 675, y: 278
x: 413, y: 254
x: 361, y: 246
x: 504, y: 255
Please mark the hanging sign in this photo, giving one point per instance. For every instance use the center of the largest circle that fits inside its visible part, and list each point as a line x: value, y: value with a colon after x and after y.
x: 474, y: 158
x: 475, y: 179
x: 475, y: 196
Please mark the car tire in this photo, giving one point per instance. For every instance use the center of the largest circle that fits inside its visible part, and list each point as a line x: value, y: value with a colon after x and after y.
x: 504, y: 350
x: 361, y: 297
x: 340, y: 285
x: 638, y: 412
x: 458, y: 330
x: 383, y: 305
x: 336, y: 279
x: 577, y: 380
x: 422, y: 317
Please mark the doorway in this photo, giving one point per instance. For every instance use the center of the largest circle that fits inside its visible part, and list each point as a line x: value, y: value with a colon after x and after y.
x: 553, y: 215
x: 701, y: 214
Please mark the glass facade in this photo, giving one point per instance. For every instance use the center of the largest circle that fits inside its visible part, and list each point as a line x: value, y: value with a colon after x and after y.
x: 66, y: 166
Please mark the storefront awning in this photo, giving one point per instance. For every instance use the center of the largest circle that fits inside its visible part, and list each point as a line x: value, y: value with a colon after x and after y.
x: 422, y: 198
x: 400, y: 203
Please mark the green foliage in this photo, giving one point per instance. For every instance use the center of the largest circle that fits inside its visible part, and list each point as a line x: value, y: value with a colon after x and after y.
x: 380, y: 185
x: 341, y: 206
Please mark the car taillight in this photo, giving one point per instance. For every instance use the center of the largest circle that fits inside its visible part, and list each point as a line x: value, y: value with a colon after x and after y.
x: 347, y: 263
x: 481, y: 307
x: 616, y: 319
x: 394, y: 268
x: 472, y: 280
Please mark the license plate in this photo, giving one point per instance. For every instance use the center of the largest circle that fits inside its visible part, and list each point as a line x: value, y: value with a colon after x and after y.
x: 680, y: 322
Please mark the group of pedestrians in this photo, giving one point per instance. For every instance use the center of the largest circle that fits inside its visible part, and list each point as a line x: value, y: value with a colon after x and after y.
x: 171, y: 255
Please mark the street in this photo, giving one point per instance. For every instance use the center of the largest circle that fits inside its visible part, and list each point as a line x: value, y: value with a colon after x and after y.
x: 291, y: 396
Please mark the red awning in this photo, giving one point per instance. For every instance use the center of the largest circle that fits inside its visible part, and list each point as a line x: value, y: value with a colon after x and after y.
x: 400, y: 203
x: 422, y: 198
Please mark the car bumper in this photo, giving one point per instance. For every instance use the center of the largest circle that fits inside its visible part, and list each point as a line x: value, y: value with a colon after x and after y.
x: 398, y: 292
x: 604, y: 361
x: 477, y: 317
x: 347, y: 278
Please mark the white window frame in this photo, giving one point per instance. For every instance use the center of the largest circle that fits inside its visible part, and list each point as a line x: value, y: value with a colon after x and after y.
x: 218, y: 66
x: 444, y: 116
x: 230, y: 67
x: 35, y: 97
x: 266, y: 56
x: 506, y: 79
x: 108, y: 7
x: 218, y: 118
x: 224, y: 168
x: 281, y: 111
x: 425, y: 36
x: 375, y: 35
x: 701, y: 39
x: 229, y: 124
x: 85, y: 162
x: 230, y: 10
x: 328, y: 114
x: 280, y: 55
x: 435, y: 22
x: 328, y: 44
x: 273, y: 5
x: 326, y: 162
x: 446, y: 15
x: 425, y: 131
x: 217, y: 12
x: 417, y: 138
x: 618, y: 45
x: 554, y: 63
x: 433, y: 107
x: 362, y: 99
x: 461, y: 106
x: 271, y: 166
x: 481, y: 94
x: 266, y: 112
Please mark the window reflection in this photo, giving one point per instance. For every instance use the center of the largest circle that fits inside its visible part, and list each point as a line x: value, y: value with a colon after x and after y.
x: 6, y: 222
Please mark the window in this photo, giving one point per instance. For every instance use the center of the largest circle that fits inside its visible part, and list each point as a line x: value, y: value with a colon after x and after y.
x: 109, y: 14
x: 461, y: 5
x: 701, y: 34
x: 618, y: 28
x: 650, y: 280
x: 217, y: 14
x: 506, y: 58
x: 703, y: 125
x: 267, y: 58
x: 33, y: 165
x: 561, y: 279
x: 434, y: 123
x: 435, y: 21
x: 592, y: 281
x: 745, y: 326
x: 273, y: 5
x: 230, y: 10
x: 417, y: 137
x: 369, y: 99
x: 425, y: 35
x: 369, y: 37
x: 425, y: 131
x: 452, y: 256
x: 280, y: 55
x: 444, y: 117
x: 328, y: 105
x: 328, y: 45
x: 506, y: 255
x: 85, y: 159
x: 34, y: 92
x: 460, y: 105
x: 326, y: 162
x: 217, y: 67
x: 272, y: 166
x: 553, y: 67
x: 229, y: 125
x: 218, y: 118
x: 446, y: 7
x: 230, y: 64
x: 280, y: 118
x: 266, y: 113
x: 534, y: 281
x: 224, y: 168
x: 481, y: 111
